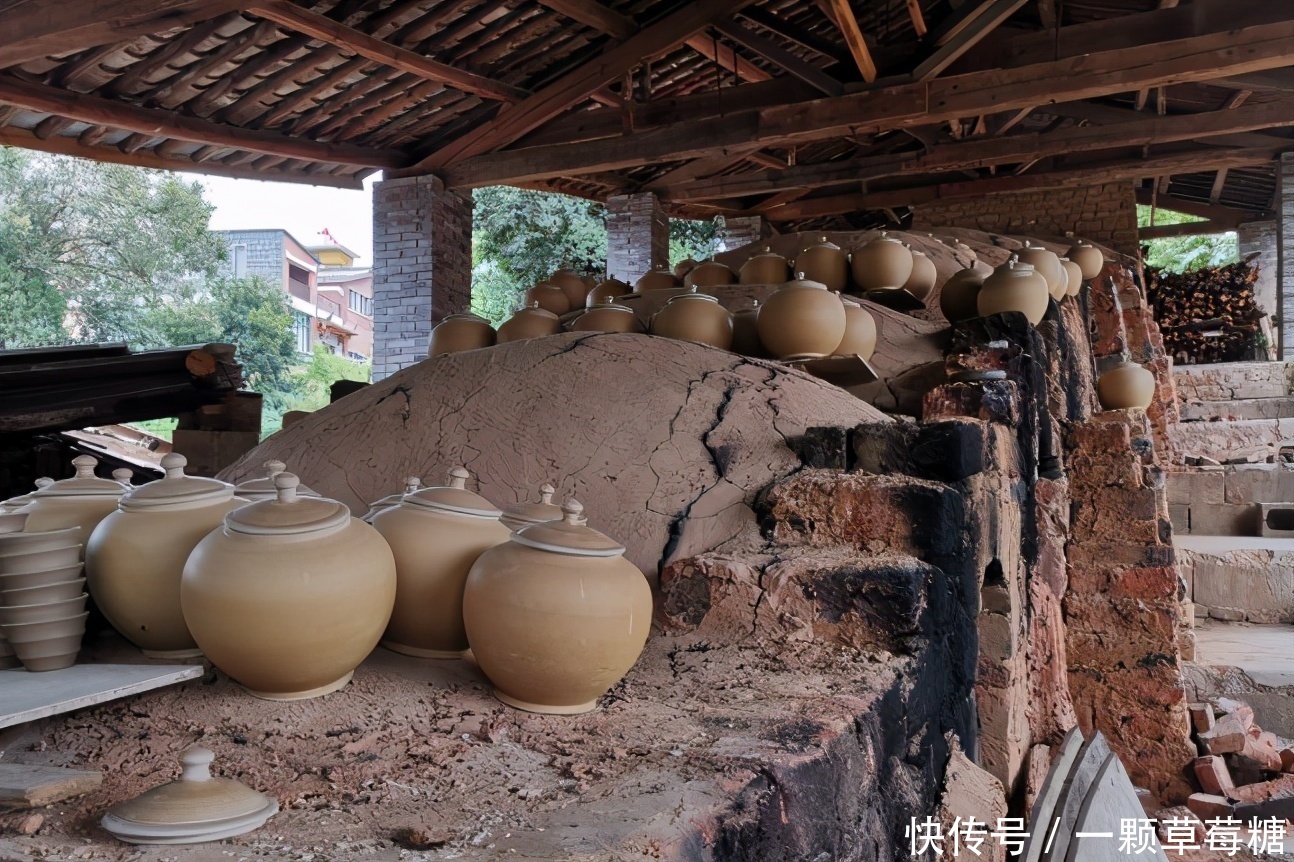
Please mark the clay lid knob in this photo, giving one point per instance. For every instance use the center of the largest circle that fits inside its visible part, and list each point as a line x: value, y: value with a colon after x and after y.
x: 458, y: 477
x: 534, y: 303
x: 1013, y: 260
x: 123, y: 475
x: 286, y: 485
x: 273, y: 468
x: 608, y: 300
x: 798, y: 275
x: 572, y: 512
x: 44, y: 482
x: 824, y: 238
x: 173, y: 463
x: 84, y: 465
x: 412, y: 484
x: 767, y: 249
x: 546, y: 493
x: 195, y: 764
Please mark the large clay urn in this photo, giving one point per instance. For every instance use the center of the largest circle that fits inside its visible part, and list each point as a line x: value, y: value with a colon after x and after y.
x: 659, y: 278
x: 610, y: 316
x: 262, y: 487
x: 885, y: 263
x: 1073, y: 277
x: 436, y: 534
x: 802, y: 320
x: 135, y: 557
x: 1126, y: 386
x: 826, y: 263
x: 572, y: 285
x: 860, y: 332
x: 1089, y: 258
x: 1014, y: 286
x: 958, y: 296
x: 460, y: 332
x: 290, y: 595
x: 529, y: 322
x: 709, y: 273
x: 922, y: 280
x: 1047, y: 264
x: 694, y: 317
x: 612, y: 288
x: 683, y: 267
x: 550, y: 297
x: 745, y: 330
x: 556, y: 616
x: 767, y: 267
x: 81, y: 501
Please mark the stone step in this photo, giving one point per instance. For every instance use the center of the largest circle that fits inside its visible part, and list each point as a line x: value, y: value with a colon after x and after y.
x: 1255, y: 439
x: 1240, y: 409
x: 1249, y: 663
x: 1238, y: 577
x: 1232, y: 380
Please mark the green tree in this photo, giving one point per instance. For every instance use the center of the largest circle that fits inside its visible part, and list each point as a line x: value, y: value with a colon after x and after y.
x: 31, y: 312
x: 1182, y: 253
x: 691, y: 238
x: 312, y: 383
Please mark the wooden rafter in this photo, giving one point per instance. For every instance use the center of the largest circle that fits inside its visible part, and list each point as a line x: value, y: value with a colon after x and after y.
x: 965, y: 34
x: 727, y: 58
x: 791, y: 32
x: 842, y: 15
x: 918, y: 17
x: 1219, y: 182
x: 779, y: 56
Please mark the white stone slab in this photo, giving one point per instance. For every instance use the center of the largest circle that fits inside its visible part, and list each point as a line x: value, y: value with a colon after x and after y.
x: 1049, y: 795
x: 1110, y: 801
x: 28, y: 696
x: 1081, y: 777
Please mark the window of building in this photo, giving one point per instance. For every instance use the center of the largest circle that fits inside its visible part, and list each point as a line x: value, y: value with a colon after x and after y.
x: 358, y: 357
x: 240, y: 261
x: 361, y: 304
x: 301, y: 329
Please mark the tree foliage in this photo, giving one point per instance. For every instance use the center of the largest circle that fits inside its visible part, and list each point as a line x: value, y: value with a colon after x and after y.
x: 1184, y: 253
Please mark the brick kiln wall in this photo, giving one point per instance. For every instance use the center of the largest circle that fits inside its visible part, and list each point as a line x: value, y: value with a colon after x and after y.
x: 637, y: 236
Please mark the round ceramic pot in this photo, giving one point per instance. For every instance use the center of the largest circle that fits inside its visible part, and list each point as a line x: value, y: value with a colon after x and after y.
x: 82, y: 502
x: 884, y: 263
x: 611, y: 289
x: 436, y: 534
x: 709, y: 273
x: 549, y: 297
x: 460, y: 332
x: 524, y: 514
x: 966, y: 251
x: 826, y: 263
x: 745, y: 330
x: 33, y: 562
x: 767, y: 267
x: 659, y: 278
x: 607, y: 317
x: 262, y: 487
x: 958, y: 296
x: 1075, y: 277
x: 136, y: 556
x: 694, y: 317
x: 1126, y: 386
x: 411, y: 484
x: 922, y: 280
x: 556, y: 616
x: 572, y: 285
x: 683, y: 267
x: 860, y: 332
x: 290, y: 595
x: 1047, y: 264
x: 1014, y: 286
x: 1089, y: 258
x: 44, y: 611
x: 802, y: 320
x: 529, y: 322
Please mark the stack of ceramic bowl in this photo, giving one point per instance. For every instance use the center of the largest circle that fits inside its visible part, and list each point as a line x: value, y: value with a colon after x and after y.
x: 42, y: 597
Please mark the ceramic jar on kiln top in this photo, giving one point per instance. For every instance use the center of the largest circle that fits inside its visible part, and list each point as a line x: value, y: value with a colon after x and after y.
x: 609, y: 290
x: 262, y: 487
x: 694, y: 317
x: 1126, y: 386
x: 572, y: 285
x: 826, y: 263
x: 556, y: 616
x: 610, y: 316
x: 1014, y: 286
x: 289, y: 595
x: 660, y: 278
x: 436, y: 534
x: 767, y: 267
x: 959, y: 296
x: 82, y: 501
x: 529, y: 322
x: 460, y: 332
x: 135, y: 557
x: 884, y: 263
x: 709, y: 274
x: 1089, y: 258
x: 801, y: 320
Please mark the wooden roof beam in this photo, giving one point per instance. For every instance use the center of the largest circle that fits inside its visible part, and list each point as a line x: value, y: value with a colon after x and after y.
x: 842, y: 15
x: 965, y: 33
x: 918, y: 18
x: 727, y: 58
x: 791, y: 32
x: 779, y: 56
x: 1219, y: 182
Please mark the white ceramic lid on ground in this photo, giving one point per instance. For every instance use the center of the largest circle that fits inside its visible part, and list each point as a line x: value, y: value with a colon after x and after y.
x: 262, y: 487
x: 191, y: 810
x: 176, y: 488
x: 569, y: 536
x: 453, y: 498
x: 83, y: 484
x: 288, y: 514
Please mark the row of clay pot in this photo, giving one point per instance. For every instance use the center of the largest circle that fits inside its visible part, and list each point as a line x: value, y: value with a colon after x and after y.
x: 1025, y: 283
x: 42, y: 596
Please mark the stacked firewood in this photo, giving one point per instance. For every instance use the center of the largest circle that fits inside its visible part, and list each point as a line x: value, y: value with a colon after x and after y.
x: 1207, y: 315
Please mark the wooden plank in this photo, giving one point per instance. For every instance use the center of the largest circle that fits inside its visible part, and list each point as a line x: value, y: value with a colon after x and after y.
x: 1219, y: 181
x: 983, y: 19
x: 593, y: 14
x: 918, y: 18
x: 1193, y: 228
x: 791, y: 32
x: 771, y: 51
x: 726, y: 57
x: 31, y: 786
x: 325, y: 29
x: 28, y: 696
x: 843, y: 15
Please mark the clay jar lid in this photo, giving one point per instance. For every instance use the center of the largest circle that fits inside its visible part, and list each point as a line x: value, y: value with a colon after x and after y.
x: 83, y: 484
x: 570, y: 535
x: 23, y: 499
x: 193, y: 809
x: 523, y: 514
x: 692, y: 294
x: 176, y: 488
x: 288, y: 514
x: 411, y: 484
x: 823, y: 242
x: 453, y: 498
x: 800, y: 282
x: 263, y: 486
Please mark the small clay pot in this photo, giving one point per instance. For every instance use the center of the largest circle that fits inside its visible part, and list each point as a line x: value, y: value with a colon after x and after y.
x: 745, y: 330
x: 31, y: 562
x: 610, y: 316
x: 957, y: 298
x: 885, y: 263
x: 82, y: 502
x: 572, y: 285
x: 1047, y: 264
x: 529, y: 322
x: 43, y: 611
x: 1089, y: 258
x: 460, y: 332
x: 767, y: 267
x: 802, y: 320
x: 1074, y: 275
x: 709, y: 273
x: 46, y: 654
x: 1126, y: 386
x: 659, y: 278
x: 1014, y: 286
x: 826, y: 263
x: 55, y: 591
x: 922, y: 280
x: 26, y: 542
x: 694, y: 317
x: 683, y: 267
x: 612, y: 289
x: 860, y: 332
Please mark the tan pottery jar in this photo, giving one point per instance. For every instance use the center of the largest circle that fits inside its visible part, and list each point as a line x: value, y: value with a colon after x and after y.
x: 556, y: 616
x: 801, y: 320
x: 572, y: 285
x: 659, y: 278
x: 694, y: 317
x: 13, y: 504
x: 1075, y: 277
x: 826, y: 263
x: 289, y: 595
x: 958, y: 296
x: 1046, y: 263
x: 411, y: 484
x: 549, y: 297
x: 884, y: 263
x: 82, y: 501
x: 459, y: 332
x: 1126, y: 386
x: 860, y: 332
x: 529, y: 322
x: 709, y: 273
x: 1014, y: 286
x: 922, y: 280
x: 436, y: 534
x: 262, y: 487
x: 136, y: 556
x: 683, y: 267
x: 767, y: 267
x: 1089, y: 258
x: 608, y: 317
x: 745, y: 330
x: 612, y: 289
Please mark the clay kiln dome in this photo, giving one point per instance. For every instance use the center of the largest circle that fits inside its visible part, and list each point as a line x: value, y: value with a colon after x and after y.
x: 668, y: 442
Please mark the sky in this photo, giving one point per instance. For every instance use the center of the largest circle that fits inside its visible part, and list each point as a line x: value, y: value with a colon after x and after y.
x: 301, y: 210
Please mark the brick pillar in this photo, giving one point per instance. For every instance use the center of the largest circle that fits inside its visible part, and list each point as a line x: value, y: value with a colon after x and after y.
x: 1285, y: 253
x: 1260, y: 237
x: 422, y: 266
x: 637, y: 236
x: 736, y: 231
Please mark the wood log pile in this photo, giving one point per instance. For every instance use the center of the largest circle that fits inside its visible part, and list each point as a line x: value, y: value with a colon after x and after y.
x: 1207, y: 315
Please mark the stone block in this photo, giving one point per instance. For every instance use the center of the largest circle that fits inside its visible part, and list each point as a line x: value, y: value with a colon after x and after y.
x: 1264, y: 791
x: 1264, y: 748
x: 1209, y: 806
x: 1180, y: 516
x: 1276, y: 520
x: 1193, y: 487
x: 1287, y: 759
x: 1211, y: 772
x: 1224, y: 519
x: 1202, y: 718
x: 1226, y: 737
x: 1226, y: 615
x: 1244, y: 770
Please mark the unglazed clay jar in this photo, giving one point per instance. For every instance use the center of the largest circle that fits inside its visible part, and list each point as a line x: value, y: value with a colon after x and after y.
x: 13, y: 504
x: 549, y: 297
x: 1047, y: 264
x: 694, y: 317
x: 436, y: 534
x: 82, y: 501
x: 136, y: 556
x: 1125, y: 386
x: 884, y: 263
x: 1075, y: 276
x: 860, y: 332
x: 745, y: 329
x: 659, y: 278
x: 289, y: 595
x: 826, y: 263
x: 610, y: 316
x: 683, y: 267
x: 801, y: 320
x: 572, y: 285
x: 529, y: 322
x: 460, y: 332
x: 262, y: 487
x: 1014, y: 286
x: 411, y: 484
x: 767, y: 267
x: 524, y: 514
x: 709, y: 273
x: 958, y: 296
x: 556, y: 616
x: 922, y: 279
x: 611, y: 289
x: 1089, y: 258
